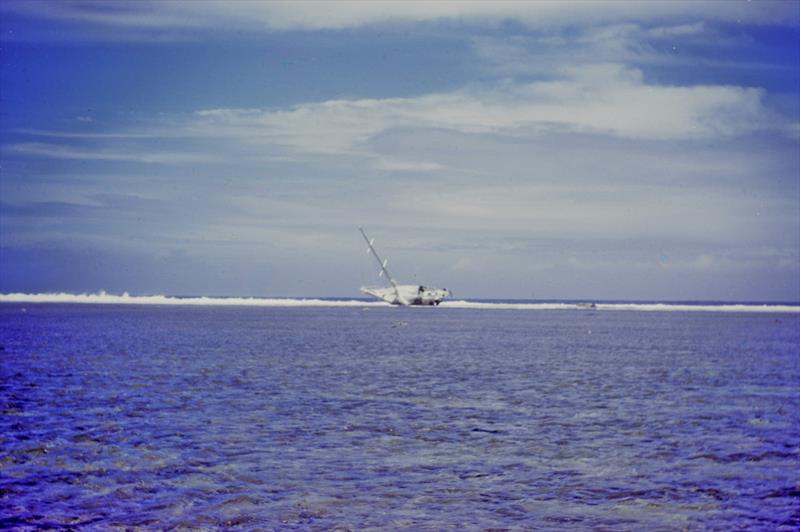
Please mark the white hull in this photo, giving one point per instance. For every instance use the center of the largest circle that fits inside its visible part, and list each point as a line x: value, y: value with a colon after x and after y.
x: 401, y: 294
x: 407, y: 294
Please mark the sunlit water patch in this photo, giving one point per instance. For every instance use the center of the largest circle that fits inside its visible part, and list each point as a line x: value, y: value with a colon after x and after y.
x: 303, y: 418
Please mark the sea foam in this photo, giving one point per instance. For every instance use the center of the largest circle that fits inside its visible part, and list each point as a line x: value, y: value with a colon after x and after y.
x: 647, y: 307
x: 127, y: 299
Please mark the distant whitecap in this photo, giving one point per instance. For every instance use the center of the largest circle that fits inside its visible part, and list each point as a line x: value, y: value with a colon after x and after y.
x: 127, y: 299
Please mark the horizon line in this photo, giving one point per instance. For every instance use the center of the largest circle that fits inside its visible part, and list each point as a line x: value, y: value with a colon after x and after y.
x: 103, y: 297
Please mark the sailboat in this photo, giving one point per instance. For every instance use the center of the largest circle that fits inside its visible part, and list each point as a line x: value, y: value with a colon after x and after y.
x: 400, y: 294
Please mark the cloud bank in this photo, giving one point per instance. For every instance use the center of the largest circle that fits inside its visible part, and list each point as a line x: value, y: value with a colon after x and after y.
x: 601, y: 99
x: 606, y: 99
x: 244, y: 15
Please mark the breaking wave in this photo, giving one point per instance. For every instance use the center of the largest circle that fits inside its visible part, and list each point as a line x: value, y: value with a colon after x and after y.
x: 127, y: 299
x: 650, y: 307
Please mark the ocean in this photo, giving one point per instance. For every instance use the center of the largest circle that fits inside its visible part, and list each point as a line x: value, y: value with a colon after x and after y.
x: 361, y: 416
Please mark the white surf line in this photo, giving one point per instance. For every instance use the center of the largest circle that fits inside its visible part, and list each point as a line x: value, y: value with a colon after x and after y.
x: 643, y: 307
x: 127, y: 299
x: 732, y: 307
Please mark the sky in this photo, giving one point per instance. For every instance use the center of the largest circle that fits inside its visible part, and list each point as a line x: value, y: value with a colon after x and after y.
x: 548, y: 150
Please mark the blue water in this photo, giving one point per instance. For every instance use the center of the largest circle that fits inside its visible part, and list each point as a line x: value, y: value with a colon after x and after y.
x: 397, y: 418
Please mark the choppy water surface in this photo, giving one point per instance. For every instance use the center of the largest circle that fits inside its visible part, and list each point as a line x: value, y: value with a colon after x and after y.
x: 393, y: 418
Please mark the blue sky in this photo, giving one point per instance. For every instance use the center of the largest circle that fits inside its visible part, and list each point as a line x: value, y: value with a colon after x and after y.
x: 589, y: 150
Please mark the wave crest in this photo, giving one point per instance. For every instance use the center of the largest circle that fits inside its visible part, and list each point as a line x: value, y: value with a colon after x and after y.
x: 104, y: 298
x: 127, y: 299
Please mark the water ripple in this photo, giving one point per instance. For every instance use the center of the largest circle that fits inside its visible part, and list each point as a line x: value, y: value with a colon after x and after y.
x: 326, y: 418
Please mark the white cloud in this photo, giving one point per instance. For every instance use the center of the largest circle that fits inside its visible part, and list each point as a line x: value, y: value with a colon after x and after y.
x: 607, y: 99
x: 87, y: 135
x: 541, y: 53
x: 604, y: 99
x: 398, y: 165
x: 793, y: 130
x: 60, y: 151
x: 309, y: 15
x: 681, y: 30
x: 603, y: 212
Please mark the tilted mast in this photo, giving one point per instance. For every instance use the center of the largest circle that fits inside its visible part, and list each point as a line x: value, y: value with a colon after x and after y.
x: 381, y: 263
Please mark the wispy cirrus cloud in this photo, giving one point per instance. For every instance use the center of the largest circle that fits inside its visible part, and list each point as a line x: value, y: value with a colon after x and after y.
x: 395, y: 165
x: 599, y: 99
x: 545, y: 52
x: 605, y: 99
x: 245, y: 15
x: 88, y: 135
x: 63, y: 151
